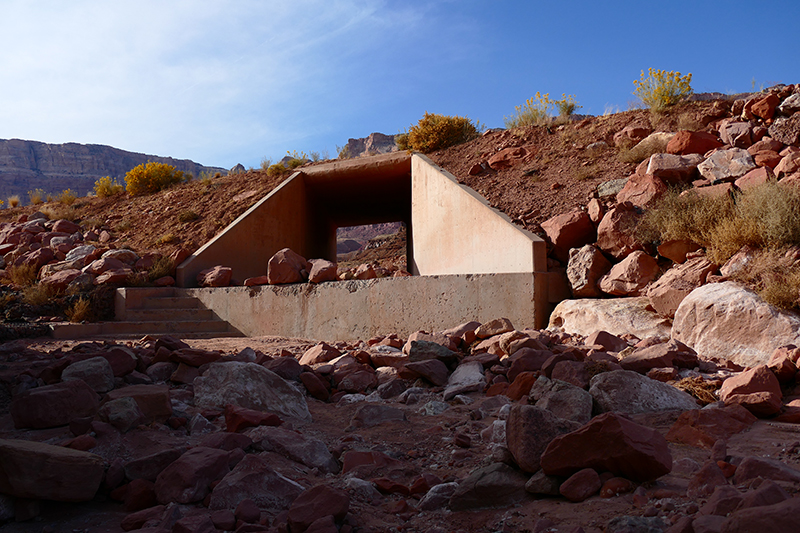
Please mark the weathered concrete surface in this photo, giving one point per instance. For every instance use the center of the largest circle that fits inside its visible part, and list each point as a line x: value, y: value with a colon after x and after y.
x: 359, y: 309
x: 304, y: 212
x: 455, y: 231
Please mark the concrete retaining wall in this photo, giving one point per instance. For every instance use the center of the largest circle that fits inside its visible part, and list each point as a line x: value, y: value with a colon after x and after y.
x: 349, y: 310
x: 456, y: 231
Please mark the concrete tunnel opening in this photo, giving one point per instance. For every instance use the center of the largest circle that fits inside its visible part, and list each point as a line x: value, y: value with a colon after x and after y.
x: 468, y: 260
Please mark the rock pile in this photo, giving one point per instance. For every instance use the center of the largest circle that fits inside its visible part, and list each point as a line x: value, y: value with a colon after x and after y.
x: 63, y: 257
x: 236, y: 439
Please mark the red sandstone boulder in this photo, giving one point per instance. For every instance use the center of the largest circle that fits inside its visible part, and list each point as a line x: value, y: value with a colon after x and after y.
x: 704, y: 427
x: 189, y: 478
x: 219, y: 276
x: 776, y: 517
x: 609, y: 443
x: 783, y: 363
x: 287, y: 266
x: 671, y: 353
x: 153, y: 400
x: 238, y: 418
x: 585, y: 268
x: 40, y: 471
x: 432, y: 370
x: 322, y: 270
x: 788, y: 165
x: 529, y: 430
x: 642, y: 190
x: 568, y: 230
x: 692, y: 142
x: 316, y: 503
x: 765, y: 107
x: 581, y: 485
x: 99, y: 266
x: 54, y: 405
x: 37, y: 258
x: 65, y: 226
x: 668, y: 292
x: 767, y: 158
x: 114, y: 276
x: 630, y: 276
x: 674, y: 169
x: 757, y: 389
x: 507, y: 158
x: 59, y: 281
x: 632, y: 133
x: 676, y: 251
x: 615, y: 231
x: 320, y: 353
x: 609, y: 342
x: 257, y: 280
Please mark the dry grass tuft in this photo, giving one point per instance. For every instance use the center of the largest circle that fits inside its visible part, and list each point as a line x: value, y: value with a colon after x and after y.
x: 80, y: 311
x: 766, y: 218
x: 163, y: 266
x: 13, y: 201
x: 704, y: 391
x: 22, y: 276
x: 38, y: 294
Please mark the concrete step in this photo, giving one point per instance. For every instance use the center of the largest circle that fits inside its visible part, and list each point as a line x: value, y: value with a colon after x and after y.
x: 205, y: 329
x: 169, y: 315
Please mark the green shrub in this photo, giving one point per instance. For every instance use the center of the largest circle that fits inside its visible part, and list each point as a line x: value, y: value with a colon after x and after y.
x: 436, y: 132
x: 276, y: 170
x: 67, y: 197
x: 151, y: 178
x: 36, y: 196
x: 537, y: 110
x: 107, y: 186
x: 187, y: 216
x: 661, y: 89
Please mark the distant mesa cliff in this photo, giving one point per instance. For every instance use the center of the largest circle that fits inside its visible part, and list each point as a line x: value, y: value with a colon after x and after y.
x: 376, y: 143
x: 28, y: 165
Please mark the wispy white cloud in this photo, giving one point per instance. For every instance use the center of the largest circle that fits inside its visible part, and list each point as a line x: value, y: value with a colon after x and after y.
x: 184, y: 78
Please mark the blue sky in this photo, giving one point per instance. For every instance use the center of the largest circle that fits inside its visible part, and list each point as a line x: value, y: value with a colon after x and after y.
x: 226, y: 82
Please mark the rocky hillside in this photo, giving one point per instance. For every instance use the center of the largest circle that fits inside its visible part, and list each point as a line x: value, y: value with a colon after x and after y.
x: 28, y: 165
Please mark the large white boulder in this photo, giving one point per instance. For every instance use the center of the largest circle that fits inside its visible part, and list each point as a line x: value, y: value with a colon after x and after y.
x: 617, y: 316
x: 729, y: 321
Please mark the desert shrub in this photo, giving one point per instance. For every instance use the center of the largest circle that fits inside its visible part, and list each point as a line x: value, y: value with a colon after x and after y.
x: 766, y: 217
x: 124, y: 225
x: 276, y: 170
x: 36, y: 196
x: 13, y: 201
x: 643, y: 150
x: 167, y: 238
x: 107, y: 186
x: 435, y: 132
x: 567, y: 105
x: 775, y: 275
x: 67, y: 197
x: 55, y: 211
x: 163, y: 266
x: 79, y: 311
x: 151, y: 177
x: 187, y: 216
x: 661, y: 88
x: 266, y: 163
x: 537, y: 110
x: 38, y: 294
x: 296, y: 159
x: 22, y: 275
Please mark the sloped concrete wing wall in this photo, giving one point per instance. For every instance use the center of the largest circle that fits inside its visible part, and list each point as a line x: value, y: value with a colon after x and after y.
x: 456, y: 231
x: 277, y: 221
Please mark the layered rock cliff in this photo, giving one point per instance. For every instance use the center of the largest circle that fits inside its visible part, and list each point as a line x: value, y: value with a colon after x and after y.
x: 28, y: 165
